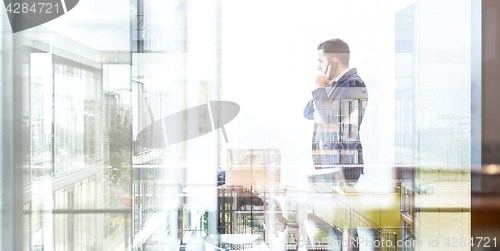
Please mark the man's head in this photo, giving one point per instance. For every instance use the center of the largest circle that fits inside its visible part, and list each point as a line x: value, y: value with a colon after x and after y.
x: 335, y: 49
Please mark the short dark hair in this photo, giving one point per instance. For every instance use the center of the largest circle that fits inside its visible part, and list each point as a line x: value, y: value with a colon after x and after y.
x: 336, y: 48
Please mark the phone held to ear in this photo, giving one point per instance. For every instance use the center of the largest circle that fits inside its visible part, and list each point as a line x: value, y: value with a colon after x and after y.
x: 333, y: 64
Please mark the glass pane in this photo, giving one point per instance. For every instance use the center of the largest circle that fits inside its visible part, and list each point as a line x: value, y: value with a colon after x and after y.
x: 214, y: 125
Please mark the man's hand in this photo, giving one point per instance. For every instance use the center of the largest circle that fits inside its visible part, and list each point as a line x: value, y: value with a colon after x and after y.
x: 322, y: 80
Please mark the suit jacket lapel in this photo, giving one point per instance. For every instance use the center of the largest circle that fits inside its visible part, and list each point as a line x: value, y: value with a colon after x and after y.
x: 346, y: 76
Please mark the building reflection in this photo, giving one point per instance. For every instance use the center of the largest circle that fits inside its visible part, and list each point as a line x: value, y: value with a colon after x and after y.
x: 81, y: 179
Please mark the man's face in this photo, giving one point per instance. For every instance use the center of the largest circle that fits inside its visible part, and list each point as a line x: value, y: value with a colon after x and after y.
x: 322, y: 61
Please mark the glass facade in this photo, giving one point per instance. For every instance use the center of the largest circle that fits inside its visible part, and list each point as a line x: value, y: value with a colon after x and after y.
x: 198, y: 125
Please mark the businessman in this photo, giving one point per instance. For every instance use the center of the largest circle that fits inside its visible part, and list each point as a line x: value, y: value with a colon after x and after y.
x: 337, y: 108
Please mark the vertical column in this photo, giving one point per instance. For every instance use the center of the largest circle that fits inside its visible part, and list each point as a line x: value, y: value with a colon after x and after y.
x: 13, y: 149
x: 490, y: 152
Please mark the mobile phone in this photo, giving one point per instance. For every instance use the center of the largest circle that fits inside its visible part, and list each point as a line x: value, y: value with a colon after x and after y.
x: 334, y: 64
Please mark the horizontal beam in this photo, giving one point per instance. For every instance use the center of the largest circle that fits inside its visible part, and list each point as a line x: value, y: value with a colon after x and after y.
x: 84, y: 211
x: 442, y: 209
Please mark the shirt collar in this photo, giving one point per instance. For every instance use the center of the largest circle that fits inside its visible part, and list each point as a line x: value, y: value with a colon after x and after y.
x: 342, y: 74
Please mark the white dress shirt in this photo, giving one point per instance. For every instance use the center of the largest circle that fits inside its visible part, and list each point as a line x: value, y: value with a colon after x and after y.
x: 342, y: 73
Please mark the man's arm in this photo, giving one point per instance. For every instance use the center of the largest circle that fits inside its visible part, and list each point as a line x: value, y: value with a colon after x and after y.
x: 321, y: 101
x: 326, y: 105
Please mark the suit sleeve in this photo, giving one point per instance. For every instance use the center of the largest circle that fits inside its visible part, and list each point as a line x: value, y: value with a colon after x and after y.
x: 326, y: 105
x: 309, y: 111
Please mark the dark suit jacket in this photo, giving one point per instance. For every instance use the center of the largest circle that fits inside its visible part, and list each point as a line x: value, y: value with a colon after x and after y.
x: 339, y: 110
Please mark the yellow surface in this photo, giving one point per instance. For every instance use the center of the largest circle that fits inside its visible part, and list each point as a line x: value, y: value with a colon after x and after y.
x: 443, y: 226
x: 382, y: 209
